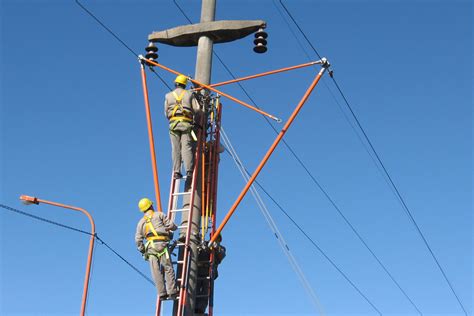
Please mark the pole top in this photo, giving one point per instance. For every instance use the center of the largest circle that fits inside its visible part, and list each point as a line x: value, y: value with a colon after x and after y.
x: 218, y: 31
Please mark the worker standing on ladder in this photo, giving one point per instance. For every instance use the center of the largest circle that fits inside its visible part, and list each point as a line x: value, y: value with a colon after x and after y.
x: 154, y: 230
x: 181, y: 110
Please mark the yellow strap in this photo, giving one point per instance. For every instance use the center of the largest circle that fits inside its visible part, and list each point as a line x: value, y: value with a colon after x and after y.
x: 148, y: 227
x: 179, y: 103
x: 180, y: 97
x: 181, y: 118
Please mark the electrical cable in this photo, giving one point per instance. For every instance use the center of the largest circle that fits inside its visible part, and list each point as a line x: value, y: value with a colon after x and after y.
x: 271, y: 222
x: 134, y: 53
x: 398, y: 194
x: 303, y: 165
x: 307, y: 236
x: 125, y: 260
x: 45, y: 220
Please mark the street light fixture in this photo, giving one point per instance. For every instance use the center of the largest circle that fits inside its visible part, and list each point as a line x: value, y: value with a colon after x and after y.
x: 28, y: 200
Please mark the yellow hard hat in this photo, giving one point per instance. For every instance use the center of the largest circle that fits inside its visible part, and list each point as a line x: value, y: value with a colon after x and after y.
x: 144, y: 204
x: 181, y: 79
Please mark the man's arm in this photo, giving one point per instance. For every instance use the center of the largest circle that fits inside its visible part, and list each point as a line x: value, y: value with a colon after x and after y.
x: 139, y: 237
x: 166, y: 107
x: 168, y: 223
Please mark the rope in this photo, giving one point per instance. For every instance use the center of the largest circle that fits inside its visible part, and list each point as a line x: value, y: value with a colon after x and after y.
x: 271, y: 222
x: 303, y: 165
x: 312, y: 242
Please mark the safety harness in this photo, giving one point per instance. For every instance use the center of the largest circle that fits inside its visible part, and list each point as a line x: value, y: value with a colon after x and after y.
x: 151, y: 236
x: 185, y: 114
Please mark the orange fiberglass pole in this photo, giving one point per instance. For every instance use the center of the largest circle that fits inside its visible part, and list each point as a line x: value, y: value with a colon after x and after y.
x: 272, y: 72
x: 213, y: 89
x: 34, y: 200
x: 270, y: 151
x: 151, y: 140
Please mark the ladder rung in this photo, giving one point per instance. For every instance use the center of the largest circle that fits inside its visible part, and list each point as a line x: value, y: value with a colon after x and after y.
x: 177, y: 262
x: 181, y: 193
x: 180, y: 210
x: 182, y: 226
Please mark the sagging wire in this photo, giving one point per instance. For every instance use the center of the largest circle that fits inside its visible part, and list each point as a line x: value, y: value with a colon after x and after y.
x: 45, y: 220
x: 298, y: 159
x: 271, y: 223
x: 303, y: 232
x: 387, y: 174
x: 109, y: 30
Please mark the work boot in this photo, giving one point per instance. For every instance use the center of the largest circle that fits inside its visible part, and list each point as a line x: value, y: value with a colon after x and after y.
x: 163, y: 297
x: 189, y: 174
x: 173, y: 296
x: 177, y: 175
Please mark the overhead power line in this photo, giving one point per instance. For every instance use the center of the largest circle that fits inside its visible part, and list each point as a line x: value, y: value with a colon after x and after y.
x: 271, y: 222
x: 304, y: 233
x: 45, y: 220
x: 392, y: 183
x: 306, y: 169
x: 111, y: 32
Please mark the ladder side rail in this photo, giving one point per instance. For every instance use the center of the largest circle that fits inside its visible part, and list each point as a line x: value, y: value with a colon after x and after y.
x: 184, y: 272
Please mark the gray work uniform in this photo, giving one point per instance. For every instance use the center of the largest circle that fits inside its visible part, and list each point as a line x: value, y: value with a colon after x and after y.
x: 181, y: 119
x: 157, y: 251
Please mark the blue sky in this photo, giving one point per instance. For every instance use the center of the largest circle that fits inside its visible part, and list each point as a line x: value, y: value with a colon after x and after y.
x: 73, y: 131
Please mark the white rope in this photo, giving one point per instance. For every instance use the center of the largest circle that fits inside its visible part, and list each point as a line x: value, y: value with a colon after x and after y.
x: 270, y: 221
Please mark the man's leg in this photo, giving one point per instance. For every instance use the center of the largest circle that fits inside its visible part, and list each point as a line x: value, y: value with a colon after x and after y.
x: 168, y: 270
x: 157, y: 275
x: 187, y: 150
x: 175, y: 137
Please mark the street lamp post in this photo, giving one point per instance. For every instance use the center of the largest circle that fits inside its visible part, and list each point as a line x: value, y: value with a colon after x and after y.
x: 33, y: 200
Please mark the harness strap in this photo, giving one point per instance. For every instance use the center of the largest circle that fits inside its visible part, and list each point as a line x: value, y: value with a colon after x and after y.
x: 186, y: 111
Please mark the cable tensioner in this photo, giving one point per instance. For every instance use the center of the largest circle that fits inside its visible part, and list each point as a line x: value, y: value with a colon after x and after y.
x: 260, y: 41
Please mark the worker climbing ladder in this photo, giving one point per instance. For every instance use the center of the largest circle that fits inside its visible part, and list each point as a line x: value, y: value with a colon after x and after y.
x: 181, y: 200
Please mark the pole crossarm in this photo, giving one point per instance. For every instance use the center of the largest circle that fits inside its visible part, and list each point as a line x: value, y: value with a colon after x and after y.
x: 325, y: 66
x: 267, y: 73
x: 205, y: 86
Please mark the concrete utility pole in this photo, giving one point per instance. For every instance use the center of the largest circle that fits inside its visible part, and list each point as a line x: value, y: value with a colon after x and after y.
x: 203, y: 35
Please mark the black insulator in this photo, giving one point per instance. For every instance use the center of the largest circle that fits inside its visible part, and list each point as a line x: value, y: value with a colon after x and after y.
x: 151, y: 48
x: 260, y: 41
x: 151, y: 56
x: 260, y: 49
x: 261, y: 33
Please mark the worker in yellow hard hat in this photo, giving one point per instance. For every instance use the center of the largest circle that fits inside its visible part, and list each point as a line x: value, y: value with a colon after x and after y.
x: 181, y: 109
x: 152, y: 239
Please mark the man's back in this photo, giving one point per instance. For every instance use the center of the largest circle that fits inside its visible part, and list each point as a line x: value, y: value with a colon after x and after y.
x: 187, y: 101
